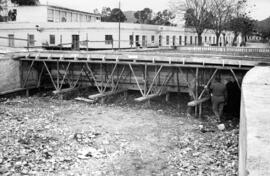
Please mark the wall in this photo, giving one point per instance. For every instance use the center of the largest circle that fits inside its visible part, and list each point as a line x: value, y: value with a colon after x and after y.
x: 9, y: 74
x: 36, y: 14
x: 254, y: 153
x: 96, y: 32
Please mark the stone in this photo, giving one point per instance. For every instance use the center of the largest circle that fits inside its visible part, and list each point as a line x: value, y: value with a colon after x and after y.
x: 221, y: 127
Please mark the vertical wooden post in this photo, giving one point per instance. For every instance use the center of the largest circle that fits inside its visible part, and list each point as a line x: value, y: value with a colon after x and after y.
x: 167, y: 97
x: 178, y: 90
x: 125, y: 95
x: 27, y: 93
x: 58, y: 76
x: 196, y: 89
x: 102, y: 101
x: 145, y: 80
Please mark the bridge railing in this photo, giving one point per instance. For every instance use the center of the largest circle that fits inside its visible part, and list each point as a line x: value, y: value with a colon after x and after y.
x: 226, y: 50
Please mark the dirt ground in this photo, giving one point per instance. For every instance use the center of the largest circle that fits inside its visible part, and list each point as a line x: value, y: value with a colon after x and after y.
x: 42, y: 135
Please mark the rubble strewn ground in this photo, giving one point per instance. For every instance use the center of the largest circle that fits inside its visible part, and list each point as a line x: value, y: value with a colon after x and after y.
x: 47, y: 136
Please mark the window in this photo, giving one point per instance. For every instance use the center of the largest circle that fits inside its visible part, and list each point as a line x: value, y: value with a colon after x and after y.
x: 160, y: 40
x: 196, y: 40
x: 185, y: 40
x: 144, y: 41
x: 88, y: 18
x: 52, y: 39
x: 31, y: 40
x: 174, y: 38
x: 210, y: 39
x: 191, y: 40
x: 69, y: 17
x: 11, y: 40
x: 57, y: 16
x: 74, y: 17
x: 214, y: 39
x: 50, y: 15
x: 180, y: 40
x: 205, y: 39
x: 63, y: 16
x: 167, y: 40
x: 131, y: 40
x: 108, y: 39
x: 153, y: 39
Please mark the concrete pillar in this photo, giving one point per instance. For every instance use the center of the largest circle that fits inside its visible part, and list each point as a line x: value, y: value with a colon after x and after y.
x: 254, y: 142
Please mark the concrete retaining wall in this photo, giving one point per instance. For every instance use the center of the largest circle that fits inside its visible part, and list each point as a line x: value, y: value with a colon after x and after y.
x: 255, y: 123
x: 9, y: 74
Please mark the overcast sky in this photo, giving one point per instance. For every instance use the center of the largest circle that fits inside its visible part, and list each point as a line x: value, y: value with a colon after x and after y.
x: 260, y: 9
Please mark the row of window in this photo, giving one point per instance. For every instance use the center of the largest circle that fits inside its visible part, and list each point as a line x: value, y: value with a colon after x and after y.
x: 30, y: 40
x: 192, y: 40
x: 109, y: 40
x: 66, y: 16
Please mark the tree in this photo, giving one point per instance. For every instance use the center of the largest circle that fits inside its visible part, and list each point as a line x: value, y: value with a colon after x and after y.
x: 198, y: 16
x: 26, y: 2
x: 144, y: 16
x: 222, y: 11
x: 241, y: 25
x: 106, y: 14
x: 96, y: 11
x: 117, y: 16
x: 163, y: 18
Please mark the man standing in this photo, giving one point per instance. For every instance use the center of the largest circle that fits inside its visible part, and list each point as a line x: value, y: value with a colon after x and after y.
x: 218, y: 97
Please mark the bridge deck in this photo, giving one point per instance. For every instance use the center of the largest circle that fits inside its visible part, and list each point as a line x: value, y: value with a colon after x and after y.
x: 149, y: 57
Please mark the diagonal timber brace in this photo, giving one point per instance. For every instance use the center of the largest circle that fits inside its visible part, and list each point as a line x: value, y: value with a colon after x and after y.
x: 115, y: 89
x: 161, y: 89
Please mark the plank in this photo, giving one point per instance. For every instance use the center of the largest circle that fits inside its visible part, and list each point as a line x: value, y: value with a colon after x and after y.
x: 145, y: 98
x: 65, y: 90
x: 84, y: 100
x: 199, y: 101
x: 105, y: 94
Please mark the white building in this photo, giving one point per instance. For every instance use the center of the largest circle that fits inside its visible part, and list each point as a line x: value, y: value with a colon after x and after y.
x: 57, y: 27
x: 50, y: 13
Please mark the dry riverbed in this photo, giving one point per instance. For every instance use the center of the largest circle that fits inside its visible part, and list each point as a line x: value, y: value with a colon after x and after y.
x: 46, y: 136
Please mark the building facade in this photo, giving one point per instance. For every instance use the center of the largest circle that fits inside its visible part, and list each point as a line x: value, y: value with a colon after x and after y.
x: 57, y: 27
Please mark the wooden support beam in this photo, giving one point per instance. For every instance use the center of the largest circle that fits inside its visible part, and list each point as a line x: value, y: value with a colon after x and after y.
x: 235, y: 78
x: 208, y: 83
x: 110, y: 79
x: 196, y: 89
x: 84, y: 100
x: 154, y: 80
x: 93, y: 76
x: 28, y: 73
x: 114, y: 87
x: 61, y: 91
x: 105, y: 94
x: 15, y: 90
x: 198, y: 102
x: 147, y: 97
x: 66, y: 73
x: 137, y: 82
x: 40, y: 77
x: 167, y: 97
x: 50, y: 75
